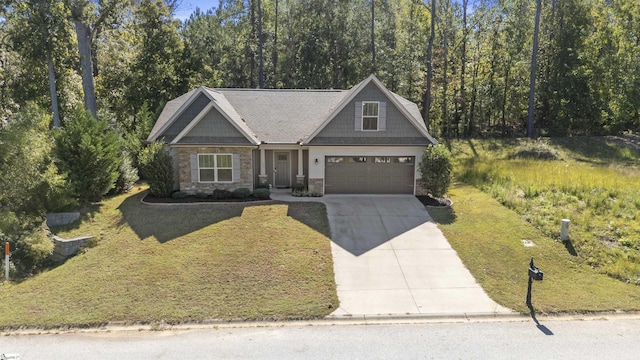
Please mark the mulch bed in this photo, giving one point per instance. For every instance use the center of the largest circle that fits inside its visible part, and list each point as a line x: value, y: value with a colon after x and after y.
x: 431, y: 201
x: 194, y: 199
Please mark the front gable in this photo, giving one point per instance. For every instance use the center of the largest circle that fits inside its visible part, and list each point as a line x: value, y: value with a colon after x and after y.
x: 212, y: 128
x: 206, y: 117
x: 392, y: 124
x: 185, y: 117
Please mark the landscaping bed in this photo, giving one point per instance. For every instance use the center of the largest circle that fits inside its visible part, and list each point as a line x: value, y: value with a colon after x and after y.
x: 431, y: 201
x: 196, y: 199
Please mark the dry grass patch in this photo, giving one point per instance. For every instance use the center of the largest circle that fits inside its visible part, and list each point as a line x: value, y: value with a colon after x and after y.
x: 184, y: 263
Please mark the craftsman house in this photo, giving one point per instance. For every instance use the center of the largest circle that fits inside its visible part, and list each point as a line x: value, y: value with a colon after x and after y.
x: 366, y: 140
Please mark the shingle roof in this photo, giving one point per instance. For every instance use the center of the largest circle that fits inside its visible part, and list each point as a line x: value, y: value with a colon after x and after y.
x: 274, y: 115
x: 283, y: 116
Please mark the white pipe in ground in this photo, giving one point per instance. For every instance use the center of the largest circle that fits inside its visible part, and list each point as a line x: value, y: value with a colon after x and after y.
x: 564, y: 230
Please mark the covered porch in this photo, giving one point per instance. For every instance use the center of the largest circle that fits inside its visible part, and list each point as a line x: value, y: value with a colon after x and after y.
x: 281, y: 166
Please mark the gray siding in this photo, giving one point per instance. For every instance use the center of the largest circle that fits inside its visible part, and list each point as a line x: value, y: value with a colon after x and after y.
x: 341, y: 129
x: 214, y: 128
x: 344, y: 140
x: 185, y: 118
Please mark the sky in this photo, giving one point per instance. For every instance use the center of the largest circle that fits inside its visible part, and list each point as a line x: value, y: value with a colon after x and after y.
x: 188, y: 6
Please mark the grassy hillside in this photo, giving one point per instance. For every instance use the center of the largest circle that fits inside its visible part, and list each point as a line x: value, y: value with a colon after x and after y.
x: 594, y: 182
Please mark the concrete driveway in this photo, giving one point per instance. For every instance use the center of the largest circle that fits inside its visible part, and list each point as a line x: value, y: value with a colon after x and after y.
x: 391, y: 259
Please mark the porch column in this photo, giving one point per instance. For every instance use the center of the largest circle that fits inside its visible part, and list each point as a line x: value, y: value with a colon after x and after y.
x: 263, y: 173
x: 300, y: 176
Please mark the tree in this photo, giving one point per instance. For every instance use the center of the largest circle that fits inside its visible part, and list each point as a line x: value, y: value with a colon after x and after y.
x: 89, y: 153
x: 534, y: 57
x: 427, y: 96
x: 89, y: 16
x: 38, y: 29
x: 154, y: 72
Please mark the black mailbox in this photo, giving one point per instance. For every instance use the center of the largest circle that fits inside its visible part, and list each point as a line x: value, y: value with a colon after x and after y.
x: 535, y: 273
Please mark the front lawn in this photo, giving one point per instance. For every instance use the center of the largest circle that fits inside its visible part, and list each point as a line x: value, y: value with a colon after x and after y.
x: 184, y: 263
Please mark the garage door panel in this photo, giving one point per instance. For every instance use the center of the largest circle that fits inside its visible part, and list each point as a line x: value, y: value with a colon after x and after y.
x: 369, y: 175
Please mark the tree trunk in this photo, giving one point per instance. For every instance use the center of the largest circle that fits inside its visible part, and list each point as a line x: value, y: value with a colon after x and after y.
x: 427, y: 95
x: 373, y: 38
x: 491, y: 109
x: 83, y: 33
x: 260, y: 46
x: 463, y: 65
x: 445, y: 117
x: 474, y: 90
x: 504, y: 99
x: 52, y: 90
x: 275, y: 50
x: 532, y: 81
x: 252, y: 61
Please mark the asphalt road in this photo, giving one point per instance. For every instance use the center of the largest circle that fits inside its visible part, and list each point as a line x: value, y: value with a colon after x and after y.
x: 592, y: 339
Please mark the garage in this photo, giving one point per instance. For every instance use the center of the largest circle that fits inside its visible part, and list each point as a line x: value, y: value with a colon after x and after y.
x: 369, y: 174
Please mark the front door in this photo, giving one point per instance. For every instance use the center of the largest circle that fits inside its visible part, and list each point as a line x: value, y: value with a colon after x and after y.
x: 282, y: 171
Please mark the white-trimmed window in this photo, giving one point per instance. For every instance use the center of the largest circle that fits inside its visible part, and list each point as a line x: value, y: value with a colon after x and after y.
x: 215, y: 168
x: 370, y: 112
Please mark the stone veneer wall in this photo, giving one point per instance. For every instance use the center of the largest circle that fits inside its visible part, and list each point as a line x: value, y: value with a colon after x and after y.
x: 316, y: 185
x: 246, y: 169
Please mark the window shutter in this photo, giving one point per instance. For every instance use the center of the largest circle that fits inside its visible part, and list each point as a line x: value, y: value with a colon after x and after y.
x: 382, y: 116
x: 193, y: 161
x: 236, y: 167
x: 358, y: 121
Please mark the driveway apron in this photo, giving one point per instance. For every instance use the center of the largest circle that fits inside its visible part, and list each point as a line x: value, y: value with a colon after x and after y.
x: 390, y: 258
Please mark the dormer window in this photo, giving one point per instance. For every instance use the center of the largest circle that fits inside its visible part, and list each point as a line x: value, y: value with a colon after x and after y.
x: 370, y: 112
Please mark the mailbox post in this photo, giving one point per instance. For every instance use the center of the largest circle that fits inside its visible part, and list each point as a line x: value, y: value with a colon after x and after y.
x: 534, y: 274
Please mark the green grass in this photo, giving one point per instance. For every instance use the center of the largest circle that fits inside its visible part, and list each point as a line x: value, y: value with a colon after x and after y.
x: 488, y: 238
x: 598, y: 190
x: 185, y: 263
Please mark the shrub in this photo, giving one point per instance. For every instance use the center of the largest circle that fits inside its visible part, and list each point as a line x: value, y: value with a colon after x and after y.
x: 219, y: 194
x: 201, y: 195
x: 128, y: 175
x: 179, y: 195
x: 30, y: 249
x: 297, y: 187
x: 30, y: 182
x: 262, y: 193
x: 156, y: 166
x: 263, y: 186
x: 306, y: 193
x: 241, y: 193
x: 88, y: 151
x: 436, y: 169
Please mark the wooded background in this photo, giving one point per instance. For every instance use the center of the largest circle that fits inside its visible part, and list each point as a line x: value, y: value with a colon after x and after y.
x: 587, y: 74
